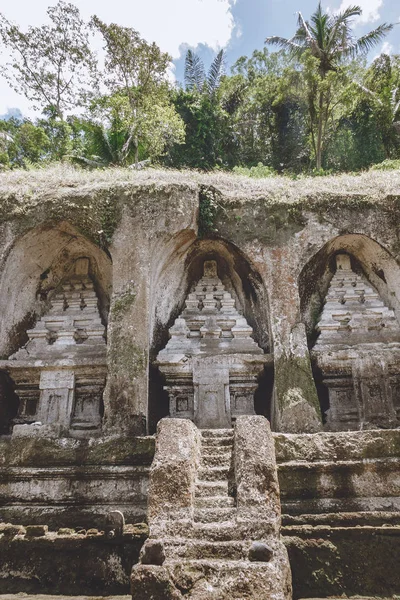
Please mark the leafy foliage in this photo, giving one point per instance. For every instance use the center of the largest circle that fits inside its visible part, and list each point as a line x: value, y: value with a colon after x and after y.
x: 137, y: 114
x: 323, y: 44
x: 50, y: 64
x: 313, y: 106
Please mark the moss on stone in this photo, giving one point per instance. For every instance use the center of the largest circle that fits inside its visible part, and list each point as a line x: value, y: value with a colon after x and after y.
x: 294, y: 372
x: 45, y: 452
x: 123, y: 302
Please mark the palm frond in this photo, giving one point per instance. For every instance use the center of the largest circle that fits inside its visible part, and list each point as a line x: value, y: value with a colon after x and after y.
x: 216, y: 71
x: 310, y: 34
x: 371, y: 39
x: 194, y: 72
x: 347, y: 14
x: 340, y: 30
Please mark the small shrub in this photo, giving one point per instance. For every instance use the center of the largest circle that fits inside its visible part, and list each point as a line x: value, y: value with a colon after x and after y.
x: 387, y: 165
x: 259, y: 172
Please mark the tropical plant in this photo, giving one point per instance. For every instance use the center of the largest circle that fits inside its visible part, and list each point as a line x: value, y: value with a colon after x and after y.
x: 195, y: 74
x: 382, y: 90
x: 328, y: 41
x: 50, y: 64
x: 135, y: 75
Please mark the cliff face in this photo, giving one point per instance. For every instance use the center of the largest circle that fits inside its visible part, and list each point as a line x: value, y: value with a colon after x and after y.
x: 277, y: 245
x: 147, y: 236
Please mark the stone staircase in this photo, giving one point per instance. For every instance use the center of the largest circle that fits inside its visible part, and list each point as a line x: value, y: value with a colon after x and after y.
x: 202, y: 550
x: 212, y: 534
x: 213, y: 504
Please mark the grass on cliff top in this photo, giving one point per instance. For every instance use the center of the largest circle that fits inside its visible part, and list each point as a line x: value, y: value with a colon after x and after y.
x: 65, y: 179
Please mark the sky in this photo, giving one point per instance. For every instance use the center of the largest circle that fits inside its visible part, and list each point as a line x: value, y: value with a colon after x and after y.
x: 239, y: 26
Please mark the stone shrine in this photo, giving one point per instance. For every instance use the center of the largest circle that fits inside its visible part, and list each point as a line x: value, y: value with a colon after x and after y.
x: 60, y: 373
x: 358, y: 352
x: 103, y: 490
x: 211, y: 363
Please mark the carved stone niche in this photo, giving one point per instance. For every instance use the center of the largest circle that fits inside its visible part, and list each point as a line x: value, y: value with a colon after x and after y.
x: 211, y: 363
x: 60, y: 373
x: 358, y: 353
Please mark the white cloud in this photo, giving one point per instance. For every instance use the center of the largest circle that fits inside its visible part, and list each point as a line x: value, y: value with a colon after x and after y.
x: 370, y: 9
x: 169, y: 24
x: 386, y: 48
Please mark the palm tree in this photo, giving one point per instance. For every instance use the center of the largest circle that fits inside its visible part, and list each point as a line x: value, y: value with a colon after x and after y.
x: 329, y: 39
x: 195, y: 75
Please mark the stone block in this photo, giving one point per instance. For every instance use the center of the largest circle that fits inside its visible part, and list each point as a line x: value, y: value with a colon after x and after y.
x: 260, y: 552
x: 150, y: 581
x: 173, y: 472
x: 37, y: 430
x: 152, y: 553
x: 114, y: 523
x: 255, y: 468
x: 36, y: 530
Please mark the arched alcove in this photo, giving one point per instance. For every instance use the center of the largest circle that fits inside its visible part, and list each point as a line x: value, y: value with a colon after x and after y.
x: 350, y: 292
x: 33, y: 269
x: 178, y: 274
x: 52, y: 329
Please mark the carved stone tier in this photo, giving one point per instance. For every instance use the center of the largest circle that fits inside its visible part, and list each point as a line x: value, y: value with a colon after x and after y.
x: 358, y: 352
x: 211, y: 363
x: 60, y: 373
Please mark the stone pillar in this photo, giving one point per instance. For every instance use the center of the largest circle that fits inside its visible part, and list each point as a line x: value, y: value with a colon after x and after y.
x: 125, y: 399
x: 296, y: 406
x: 257, y: 487
x: 143, y: 242
x: 170, y: 506
x: 173, y: 474
x: 258, y: 503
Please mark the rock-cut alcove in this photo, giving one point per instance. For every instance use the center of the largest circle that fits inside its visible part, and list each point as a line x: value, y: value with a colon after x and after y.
x: 52, y: 330
x: 350, y: 305
x: 244, y: 289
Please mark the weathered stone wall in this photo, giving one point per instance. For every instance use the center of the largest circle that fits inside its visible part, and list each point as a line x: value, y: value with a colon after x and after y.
x: 273, y: 252
x: 73, y: 483
x: 340, y: 495
x: 85, y: 562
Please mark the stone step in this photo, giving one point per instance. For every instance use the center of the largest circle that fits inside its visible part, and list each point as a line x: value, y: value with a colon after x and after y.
x: 214, y: 450
x: 214, y: 502
x: 216, y: 460
x: 216, y: 442
x: 199, y: 549
x: 211, y: 488
x: 216, y: 433
x: 225, y: 531
x: 223, y: 574
x: 212, y: 514
x: 213, y: 473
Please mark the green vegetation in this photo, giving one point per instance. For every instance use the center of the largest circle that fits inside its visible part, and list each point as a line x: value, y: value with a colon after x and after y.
x: 314, y: 107
x: 322, y: 46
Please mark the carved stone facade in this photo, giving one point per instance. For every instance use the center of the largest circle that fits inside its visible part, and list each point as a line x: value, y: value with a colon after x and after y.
x: 211, y: 363
x: 358, y: 352
x: 208, y: 500
x: 60, y: 373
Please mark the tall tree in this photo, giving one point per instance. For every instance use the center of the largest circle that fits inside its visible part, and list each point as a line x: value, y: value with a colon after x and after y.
x: 49, y: 64
x: 135, y: 75
x: 382, y: 90
x: 328, y: 40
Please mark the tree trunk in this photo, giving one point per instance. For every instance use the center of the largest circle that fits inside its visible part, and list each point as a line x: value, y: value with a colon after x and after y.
x: 136, y: 153
x: 318, y: 156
